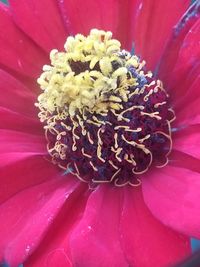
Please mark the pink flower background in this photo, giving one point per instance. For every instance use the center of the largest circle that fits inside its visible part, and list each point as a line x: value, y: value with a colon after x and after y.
x: 50, y: 218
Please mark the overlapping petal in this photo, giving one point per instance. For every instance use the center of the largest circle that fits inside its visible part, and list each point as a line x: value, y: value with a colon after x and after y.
x: 54, y: 248
x: 45, y: 25
x: 187, y: 107
x: 18, y: 52
x: 26, y: 217
x: 13, y: 120
x: 23, y: 170
x: 188, y: 141
x: 177, y: 192
x: 116, y: 16
x: 178, y: 45
x: 15, y: 96
x: 186, y: 71
x: 153, y: 27
x: 142, y: 234
x: 98, y: 236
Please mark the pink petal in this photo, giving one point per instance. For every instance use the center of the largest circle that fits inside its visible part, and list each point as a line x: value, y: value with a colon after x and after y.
x: 15, y: 121
x: 116, y: 16
x: 183, y: 160
x: 189, y: 88
x: 13, y: 141
x: 16, y: 96
x: 188, y: 108
x: 26, y: 217
x: 188, y: 141
x: 172, y: 195
x: 117, y: 228
x: 95, y: 240
x: 22, y: 170
x: 44, y: 25
x: 187, y: 61
x: 175, y: 44
x: 145, y: 241
x: 18, y: 52
x: 54, y: 248
x: 154, y: 25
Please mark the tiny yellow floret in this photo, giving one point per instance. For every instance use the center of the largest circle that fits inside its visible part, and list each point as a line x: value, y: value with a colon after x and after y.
x: 84, y: 77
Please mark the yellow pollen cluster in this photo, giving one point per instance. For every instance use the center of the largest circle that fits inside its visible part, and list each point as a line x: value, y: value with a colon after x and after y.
x: 84, y: 77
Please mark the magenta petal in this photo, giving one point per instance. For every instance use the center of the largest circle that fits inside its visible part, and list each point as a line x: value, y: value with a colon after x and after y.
x: 98, y: 16
x: 95, y: 239
x: 188, y: 108
x: 188, y: 141
x: 153, y: 27
x: 116, y: 16
x: 44, y: 25
x: 189, y: 87
x: 26, y: 217
x: 172, y: 195
x: 187, y: 61
x: 13, y: 141
x: 15, y: 121
x: 145, y: 241
x: 18, y: 52
x: 54, y: 249
x: 16, y: 96
x: 182, y: 160
x: 179, y: 41
x: 19, y: 172
x: 114, y: 229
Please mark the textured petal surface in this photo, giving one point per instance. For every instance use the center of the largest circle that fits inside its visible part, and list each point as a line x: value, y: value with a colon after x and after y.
x: 12, y: 120
x: 54, y: 249
x: 179, y: 42
x: 44, y: 25
x: 16, y: 96
x: 187, y: 63
x: 26, y: 217
x: 116, y: 16
x: 188, y: 141
x: 183, y: 160
x: 117, y: 228
x: 13, y: 141
x: 18, y: 52
x: 172, y: 195
x: 187, y: 107
x: 96, y: 237
x: 142, y: 234
x: 153, y: 27
x: 17, y: 174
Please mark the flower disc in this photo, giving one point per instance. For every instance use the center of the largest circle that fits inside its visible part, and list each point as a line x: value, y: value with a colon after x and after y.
x: 105, y: 119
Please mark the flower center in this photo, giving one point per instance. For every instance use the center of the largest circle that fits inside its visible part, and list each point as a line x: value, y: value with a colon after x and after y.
x: 105, y: 118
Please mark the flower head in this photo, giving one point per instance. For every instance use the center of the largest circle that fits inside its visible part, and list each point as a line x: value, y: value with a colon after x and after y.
x: 107, y: 118
x: 104, y: 116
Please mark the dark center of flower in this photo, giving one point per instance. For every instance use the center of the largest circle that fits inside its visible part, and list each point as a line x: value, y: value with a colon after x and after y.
x: 105, y: 119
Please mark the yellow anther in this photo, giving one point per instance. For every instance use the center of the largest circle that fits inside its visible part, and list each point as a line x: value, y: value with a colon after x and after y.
x: 115, y: 99
x: 83, y: 75
x: 119, y: 72
x: 112, y: 49
x: 105, y: 65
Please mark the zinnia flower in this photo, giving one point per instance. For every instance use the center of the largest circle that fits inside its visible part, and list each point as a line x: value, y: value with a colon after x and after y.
x: 121, y: 210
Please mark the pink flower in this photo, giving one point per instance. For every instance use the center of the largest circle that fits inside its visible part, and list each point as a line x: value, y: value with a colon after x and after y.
x: 50, y: 218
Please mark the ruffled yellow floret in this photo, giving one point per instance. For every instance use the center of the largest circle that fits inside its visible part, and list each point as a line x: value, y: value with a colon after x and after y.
x: 83, y: 76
